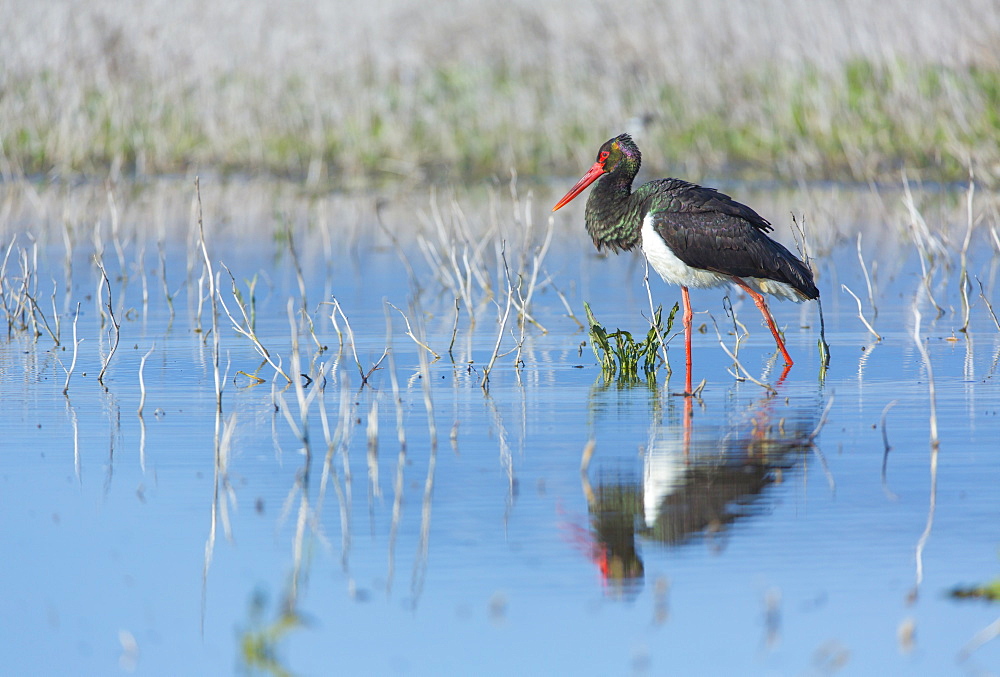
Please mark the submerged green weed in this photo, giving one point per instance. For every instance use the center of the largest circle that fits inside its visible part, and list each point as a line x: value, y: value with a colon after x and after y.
x: 990, y: 591
x: 620, y: 354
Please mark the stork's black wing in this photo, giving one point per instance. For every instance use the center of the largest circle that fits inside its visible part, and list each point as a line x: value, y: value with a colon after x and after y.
x: 680, y: 197
x: 709, y: 230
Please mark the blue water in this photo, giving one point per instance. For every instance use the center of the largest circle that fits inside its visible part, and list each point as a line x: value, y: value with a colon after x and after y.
x: 736, y: 543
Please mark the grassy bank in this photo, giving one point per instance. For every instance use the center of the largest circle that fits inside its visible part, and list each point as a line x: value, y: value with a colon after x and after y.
x: 351, y: 95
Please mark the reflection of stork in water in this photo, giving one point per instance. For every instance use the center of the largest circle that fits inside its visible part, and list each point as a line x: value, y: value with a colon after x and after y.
x: 696, y: 480
x: 704, y: 485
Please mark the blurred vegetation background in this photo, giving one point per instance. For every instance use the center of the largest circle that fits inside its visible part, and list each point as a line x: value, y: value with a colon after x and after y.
x: 349, y: 95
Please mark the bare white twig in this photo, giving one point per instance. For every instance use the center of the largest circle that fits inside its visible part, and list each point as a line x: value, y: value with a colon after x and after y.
x: 736, y: 360
x: 963, y: 276
x: 503, y: 323
x: 989, y: 306
x: 929, y: 246
x: 868, y: 280
x: 114, y: 323
x: 76, y: 345
x: 652, y: 316
x: 350, y: 333
x: 861, y: 314
x: 213, y: 295
x: 409, y: 331
x: 246, y: 327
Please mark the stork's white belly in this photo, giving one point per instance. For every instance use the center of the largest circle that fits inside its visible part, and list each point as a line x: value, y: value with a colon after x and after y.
x: 675, y: 271
x: 671, y: 268
x: 664, y: 468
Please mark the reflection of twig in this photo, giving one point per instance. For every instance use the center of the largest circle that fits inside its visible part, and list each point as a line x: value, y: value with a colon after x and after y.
x: 76, y: 439
x: 816, y: 450
x: 588, y: 453
x: 772, y: 617
x: 866, y: 353
x: 506, y: 457
x: 885, y: 454
x: 142, y: 383
x: 423, y: 544
x: 397, y: 501
x: 987, y: 634
x: 930, y: 380
x: 822, y: 420
x: 934, y: 443
x: 221, y: 491
x: 373, y: 486
x: 341, y: 439
x: 301, y: 430
x: 922, y: 542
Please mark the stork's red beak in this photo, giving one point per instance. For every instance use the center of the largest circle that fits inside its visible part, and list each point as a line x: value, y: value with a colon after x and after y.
x: 592, y: 175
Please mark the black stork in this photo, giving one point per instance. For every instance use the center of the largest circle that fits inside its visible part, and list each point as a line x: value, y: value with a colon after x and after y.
x: 692, y: 236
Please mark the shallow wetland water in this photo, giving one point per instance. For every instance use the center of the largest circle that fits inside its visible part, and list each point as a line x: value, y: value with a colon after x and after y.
x: 802, y: 525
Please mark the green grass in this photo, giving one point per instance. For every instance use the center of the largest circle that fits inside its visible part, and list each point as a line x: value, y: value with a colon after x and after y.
x: 514, y: 92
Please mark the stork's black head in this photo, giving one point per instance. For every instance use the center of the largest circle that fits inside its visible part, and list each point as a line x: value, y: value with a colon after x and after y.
x: 619, y: 156
x: 619, y: 150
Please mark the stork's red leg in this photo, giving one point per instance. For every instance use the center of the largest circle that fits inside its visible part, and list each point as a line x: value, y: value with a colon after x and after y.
x: 688, y: 318
x: 762, y: 306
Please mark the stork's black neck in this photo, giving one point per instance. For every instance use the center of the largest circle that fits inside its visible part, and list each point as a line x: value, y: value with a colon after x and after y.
x: 614, y: 213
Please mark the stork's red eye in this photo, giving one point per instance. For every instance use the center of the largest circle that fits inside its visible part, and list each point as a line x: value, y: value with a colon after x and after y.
x: 603, y: 156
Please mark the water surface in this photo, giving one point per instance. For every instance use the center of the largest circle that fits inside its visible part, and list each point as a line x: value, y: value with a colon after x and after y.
x: 751, y: 530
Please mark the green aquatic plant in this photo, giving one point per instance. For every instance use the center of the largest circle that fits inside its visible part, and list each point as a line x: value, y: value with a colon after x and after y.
x: 988, y: 591
x: 620, y: 354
